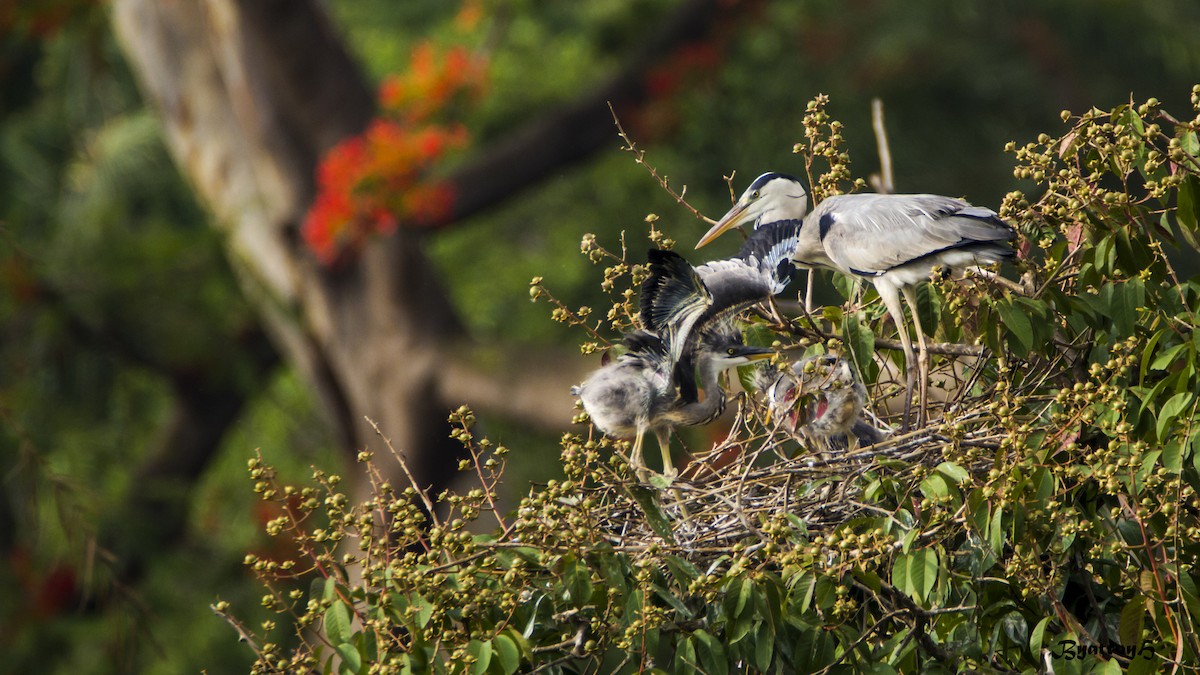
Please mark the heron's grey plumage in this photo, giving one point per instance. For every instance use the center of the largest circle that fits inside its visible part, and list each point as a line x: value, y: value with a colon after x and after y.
x: 638, y: 391
x: 681, y: 301
x: 895, y: 241
x: 687, y: 339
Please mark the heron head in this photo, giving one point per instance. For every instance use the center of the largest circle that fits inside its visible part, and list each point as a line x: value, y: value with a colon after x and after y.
x: 728, y: 350
x: 771, y: 197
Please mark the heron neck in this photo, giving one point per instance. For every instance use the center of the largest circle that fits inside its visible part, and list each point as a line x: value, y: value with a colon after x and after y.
x: 713, y: 403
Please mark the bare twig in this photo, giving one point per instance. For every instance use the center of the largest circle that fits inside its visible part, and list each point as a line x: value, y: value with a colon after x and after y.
x: 639, y: 156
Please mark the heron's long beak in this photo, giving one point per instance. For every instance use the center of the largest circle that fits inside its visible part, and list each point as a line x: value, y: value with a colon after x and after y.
x: 755, y: 353
x: 730, y: 220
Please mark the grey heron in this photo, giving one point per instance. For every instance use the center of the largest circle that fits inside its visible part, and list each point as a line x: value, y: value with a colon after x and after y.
x: 834, y: 419
x: 642, y: 390
x: 895, y: 241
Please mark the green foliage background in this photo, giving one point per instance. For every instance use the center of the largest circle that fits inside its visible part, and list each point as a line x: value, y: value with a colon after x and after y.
x: 111, y: 275
x: 1047, y: 517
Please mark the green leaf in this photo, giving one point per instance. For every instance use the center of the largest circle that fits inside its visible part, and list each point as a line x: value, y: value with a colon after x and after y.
x: 804, y: 586
x: 1019, y: 326
x: 953, y: 471
x: 764, y: 647
x: 711, y: 653
x: 482, y: 651
x: 1171, y: 411
x: 646, y: 499
x: 922, y: 572
x: 682, y: 570
x: 996, y: 532
x: 577, y: 579
x: 1167, y: 358
x: 935, y: 487
x: 424, y: 611
x: 337, y: 623
x: 673, y: 600
x: 1132, y: 616
x: 1188, y: 211
x: 900, y: 567
x: 1038, y: 636
x: 685, y: 657
x: 861, y: 341
x: 734, y: 600
x: 507, y: 654
x: 525, y: 650
x: 351, y: 659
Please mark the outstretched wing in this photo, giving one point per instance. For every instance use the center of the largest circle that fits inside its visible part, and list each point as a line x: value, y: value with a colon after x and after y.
x: 870, y: 234
x: 761, y: 269
x: 673, y: 298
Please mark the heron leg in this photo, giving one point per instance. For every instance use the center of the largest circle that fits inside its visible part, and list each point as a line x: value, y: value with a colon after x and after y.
x: 664, y: 445
x: 808, y: 290
x: 636, y: 461
x: 910, y: 296
x: 891, y: 300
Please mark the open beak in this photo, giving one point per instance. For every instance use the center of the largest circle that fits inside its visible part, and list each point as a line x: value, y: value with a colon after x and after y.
x: 730, y: 220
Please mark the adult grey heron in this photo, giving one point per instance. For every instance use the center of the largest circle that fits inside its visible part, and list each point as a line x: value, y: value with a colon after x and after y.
x: 834, y: 419
x: 895, y: 241
x: 642, y: 390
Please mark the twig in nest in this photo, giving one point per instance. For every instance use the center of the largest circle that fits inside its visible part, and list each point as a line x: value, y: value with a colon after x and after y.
x: 639, y: 156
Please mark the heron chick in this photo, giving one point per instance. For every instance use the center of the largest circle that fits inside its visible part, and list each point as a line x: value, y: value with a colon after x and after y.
x: 895, y: 241
x: 645, y: 390
x: 832, y: 418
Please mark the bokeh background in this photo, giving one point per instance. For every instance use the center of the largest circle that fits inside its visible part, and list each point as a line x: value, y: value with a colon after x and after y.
x: 138, y: 375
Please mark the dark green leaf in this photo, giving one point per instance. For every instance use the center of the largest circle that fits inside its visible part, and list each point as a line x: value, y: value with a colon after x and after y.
x: 577, y: 579
x: 711, y: 653
x: 1020, y: 328
x: 764, y: 647
x: 685, y: 657
x: 1132, y: 618
x: 507, y: 654
x: 647, y: 499
x: 1171, y: 411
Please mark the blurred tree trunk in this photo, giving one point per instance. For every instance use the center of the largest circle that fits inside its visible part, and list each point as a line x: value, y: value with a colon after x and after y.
x: 252, y: 93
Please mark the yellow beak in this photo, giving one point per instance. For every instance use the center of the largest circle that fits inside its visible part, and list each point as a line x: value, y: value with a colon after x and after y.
x: 730, y: 220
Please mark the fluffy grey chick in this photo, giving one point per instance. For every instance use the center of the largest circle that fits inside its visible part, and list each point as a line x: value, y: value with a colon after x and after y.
x: 834, y: 418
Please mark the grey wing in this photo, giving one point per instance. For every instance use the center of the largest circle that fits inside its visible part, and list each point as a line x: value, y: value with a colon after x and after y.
x: 871, y: 234
x: 673, y: 298
x: 737, y: 283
